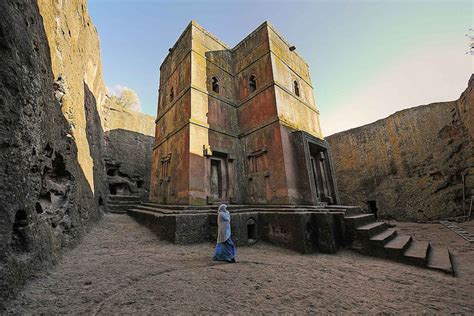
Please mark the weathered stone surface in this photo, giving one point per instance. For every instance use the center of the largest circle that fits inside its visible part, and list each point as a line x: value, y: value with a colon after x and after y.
x: 415, y: 164
x: 75, y: 62
x: 229, y: 123
x: 305, y: 231
x: 128, y: 146
x: 52, y: 151
x: 47, y: 198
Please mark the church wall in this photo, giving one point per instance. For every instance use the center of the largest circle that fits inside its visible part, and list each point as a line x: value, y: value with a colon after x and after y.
x: 199, y: 178
x: 243, y: 127
x: 175, y: 117
x: 171, y: 187
x: 297, y: 112
x: 213, y: 114
x: 294, y: 114
x: 180, y: 81
x: 250, y: 49
x: 262, y: 70
x: 264, y: 166
x: 204, y: 42
x: 178, y: 52
x: 297, y: 194
x: 280, y: 48
x: 170, y: 163
x: 258, y: 111
x: 285, y: 76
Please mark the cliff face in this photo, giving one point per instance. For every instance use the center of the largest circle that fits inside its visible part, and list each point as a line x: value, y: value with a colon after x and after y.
x: 53, y: 149
x: 77, y: 70
x: 129, y: 140
x: 415, y: 164
x: 124, y: 150
x: 47, y: 200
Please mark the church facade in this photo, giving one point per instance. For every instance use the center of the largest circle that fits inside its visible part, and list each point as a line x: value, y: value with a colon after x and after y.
x: 238, y: 125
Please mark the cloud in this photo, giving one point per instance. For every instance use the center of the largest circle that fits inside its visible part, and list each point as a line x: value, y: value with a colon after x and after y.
x: 127, y: 97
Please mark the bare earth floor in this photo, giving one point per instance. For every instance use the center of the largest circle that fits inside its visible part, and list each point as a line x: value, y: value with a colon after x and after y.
x: 121, y: 267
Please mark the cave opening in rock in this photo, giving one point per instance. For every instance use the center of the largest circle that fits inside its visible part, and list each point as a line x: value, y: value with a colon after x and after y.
x: 20, y: 241
x: 112, y: 172
x: 39, y: 208
x: 119, y: 189
x: 372, y: 206
x: 59, y: 167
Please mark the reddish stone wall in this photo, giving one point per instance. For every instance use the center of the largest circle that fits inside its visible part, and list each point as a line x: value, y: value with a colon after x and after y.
x: 411, y: 163
x: 233, y: 126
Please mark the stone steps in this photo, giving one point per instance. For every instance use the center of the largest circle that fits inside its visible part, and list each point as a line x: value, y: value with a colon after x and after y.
x: 376, y: 239
x: 371, y: 229
x: 235, y: 209
x: 440, y: 259
x: 361, y: 232
x: 119, y: 204
x: 360, y: 219
x: 384, y: 237
x: 417, y: 252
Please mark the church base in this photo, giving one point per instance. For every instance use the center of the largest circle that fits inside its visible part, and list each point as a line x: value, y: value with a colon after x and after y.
x: 305, y: 229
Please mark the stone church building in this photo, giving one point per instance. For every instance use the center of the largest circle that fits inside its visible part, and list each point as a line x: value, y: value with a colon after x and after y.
x: 238, y: 125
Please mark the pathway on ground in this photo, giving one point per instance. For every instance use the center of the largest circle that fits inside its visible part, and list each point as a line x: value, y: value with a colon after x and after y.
x: 121, y: 267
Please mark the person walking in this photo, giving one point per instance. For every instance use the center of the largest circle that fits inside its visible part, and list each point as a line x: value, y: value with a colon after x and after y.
x: 225, y: 248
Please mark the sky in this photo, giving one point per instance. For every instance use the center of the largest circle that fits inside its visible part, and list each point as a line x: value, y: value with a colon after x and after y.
x: 368, y: 59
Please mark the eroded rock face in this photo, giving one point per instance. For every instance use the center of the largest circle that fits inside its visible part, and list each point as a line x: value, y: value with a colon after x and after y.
x: 77, y: 68
x: 47, y: 199
x: 129, y: 139
x: 417, y: 164
x: 53, y: 181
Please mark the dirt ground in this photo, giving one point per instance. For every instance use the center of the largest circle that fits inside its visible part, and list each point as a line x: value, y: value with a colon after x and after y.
x: 121, y: 267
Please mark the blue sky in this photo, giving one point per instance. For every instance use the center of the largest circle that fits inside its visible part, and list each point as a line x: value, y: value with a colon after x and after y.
x: 368, y: 59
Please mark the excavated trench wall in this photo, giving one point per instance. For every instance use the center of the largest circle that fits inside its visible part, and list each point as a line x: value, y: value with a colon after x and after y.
x: 48, y: 200
x: 53, y: 149
x: 417, y: 164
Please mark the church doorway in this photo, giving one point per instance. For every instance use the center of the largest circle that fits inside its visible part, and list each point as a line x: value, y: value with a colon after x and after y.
x: 319, y: 170
x: 218, y: 177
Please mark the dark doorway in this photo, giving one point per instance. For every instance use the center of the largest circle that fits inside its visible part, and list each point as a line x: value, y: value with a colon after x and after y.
x: 216, y: 179
x: 251, y: 231
x: 372, y: 206
x: 319, y: 175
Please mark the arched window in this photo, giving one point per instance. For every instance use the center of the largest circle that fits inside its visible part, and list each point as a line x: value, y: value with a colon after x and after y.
x: 171, y: 94
x: 296, y: 88
x: 252, y: 83
x: 215, y: 84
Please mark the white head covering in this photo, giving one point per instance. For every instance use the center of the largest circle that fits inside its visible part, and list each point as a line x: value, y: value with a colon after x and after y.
x: 222, y: 208
x: 223, y: 223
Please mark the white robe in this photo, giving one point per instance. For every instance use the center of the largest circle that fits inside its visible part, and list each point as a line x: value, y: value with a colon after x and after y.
x: 223, y: 224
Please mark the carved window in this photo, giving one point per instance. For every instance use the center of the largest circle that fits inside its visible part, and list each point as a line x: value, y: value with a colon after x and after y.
x: 252, y: 83
x: 258, y: 164
x: 296, y: 88
x: 215, y: 84
x: 164, y: 172
x: 171, y: 94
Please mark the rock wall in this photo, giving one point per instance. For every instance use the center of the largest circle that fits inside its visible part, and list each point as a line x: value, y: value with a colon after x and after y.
x: 47, y: 198
x: 53, y: 149
x: 76, y: 64
x: 129, y: 140
x: 416, y: 164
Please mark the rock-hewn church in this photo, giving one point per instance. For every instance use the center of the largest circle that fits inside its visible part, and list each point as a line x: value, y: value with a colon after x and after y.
x: 238, y: 125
